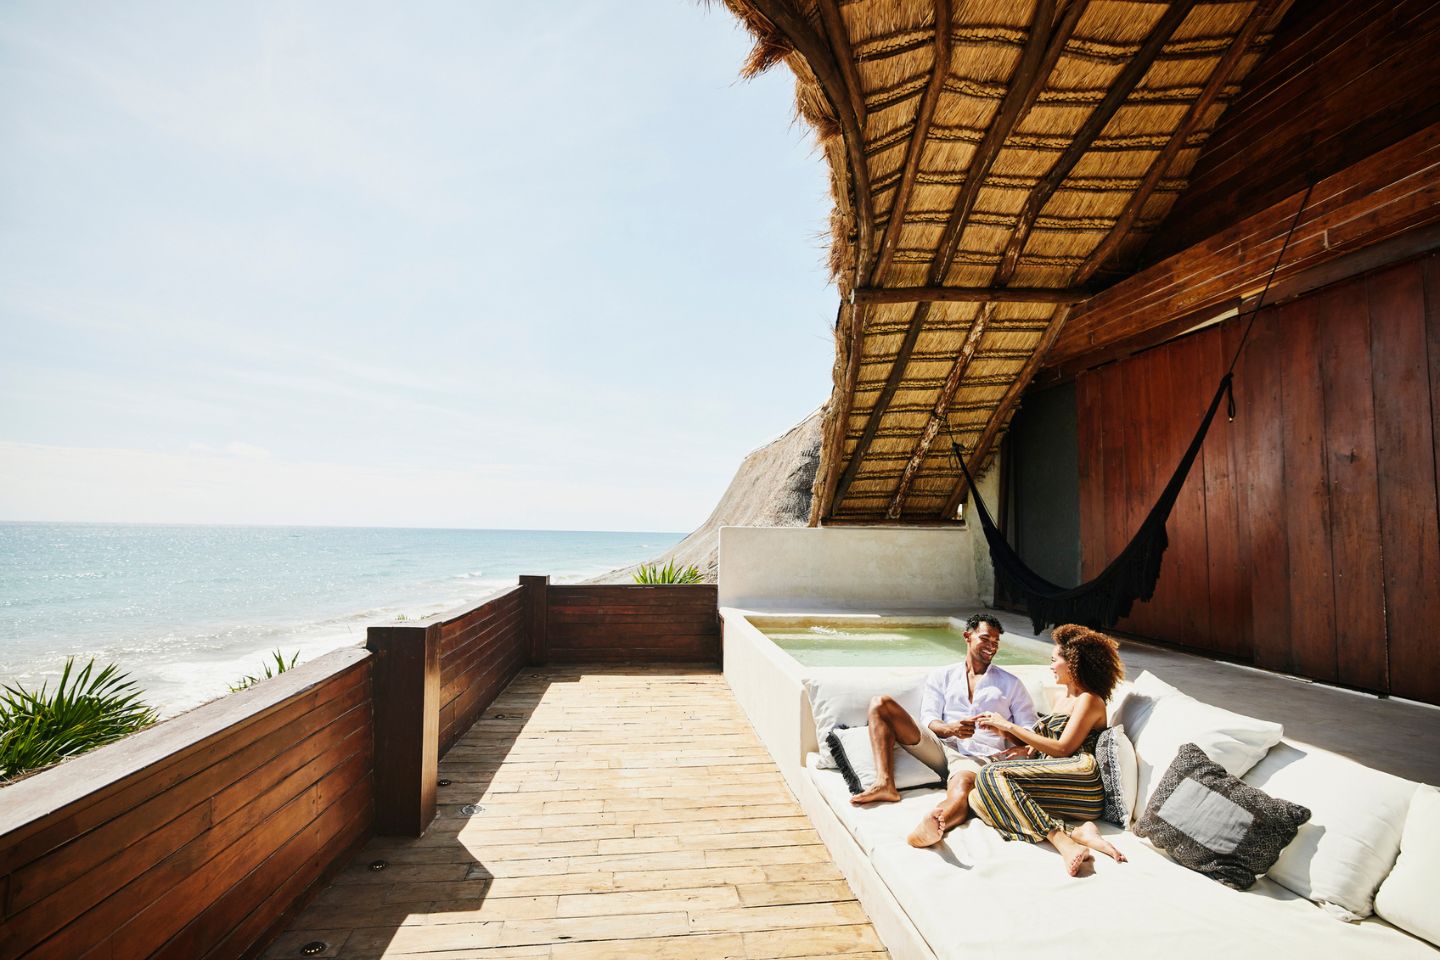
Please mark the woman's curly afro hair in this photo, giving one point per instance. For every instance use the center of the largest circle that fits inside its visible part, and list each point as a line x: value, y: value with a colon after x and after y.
x: 1094, y: 658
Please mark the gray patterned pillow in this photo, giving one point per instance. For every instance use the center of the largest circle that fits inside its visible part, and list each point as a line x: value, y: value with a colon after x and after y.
x: 1116, y: 758
x: 1216, y: 824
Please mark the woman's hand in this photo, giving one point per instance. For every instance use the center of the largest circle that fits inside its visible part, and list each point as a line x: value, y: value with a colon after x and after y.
x: 994, y: 722
x: 1021, y: 752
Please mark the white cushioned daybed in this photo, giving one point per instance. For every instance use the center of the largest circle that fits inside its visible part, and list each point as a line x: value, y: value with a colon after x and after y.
x: 976, y: 896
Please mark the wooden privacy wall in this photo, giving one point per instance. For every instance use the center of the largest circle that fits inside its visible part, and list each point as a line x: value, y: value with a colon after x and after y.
x: 195, y: 838
x: 480, y: 653
x: 633, y: 623
x: 1306, y: 539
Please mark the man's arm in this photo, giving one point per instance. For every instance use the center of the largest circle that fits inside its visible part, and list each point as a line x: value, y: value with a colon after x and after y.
x: 932, y: 709
x: 1022, y: 708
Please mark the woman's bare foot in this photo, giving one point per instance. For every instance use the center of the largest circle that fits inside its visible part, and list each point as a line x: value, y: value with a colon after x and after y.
x: 930, y: 831
x: 880, y: 793
x: 1087, y: 834
x: 1077, y: 857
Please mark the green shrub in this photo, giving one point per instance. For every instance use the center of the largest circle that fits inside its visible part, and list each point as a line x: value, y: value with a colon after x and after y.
x: 249, y: 680
x: 654, y: 573
x: 87, y: 710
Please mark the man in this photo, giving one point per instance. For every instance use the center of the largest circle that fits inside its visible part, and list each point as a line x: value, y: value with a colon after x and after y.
x: 945, y: 738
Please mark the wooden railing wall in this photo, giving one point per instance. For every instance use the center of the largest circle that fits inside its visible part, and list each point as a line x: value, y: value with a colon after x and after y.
x: 195, y: 838
x: 200, y: 837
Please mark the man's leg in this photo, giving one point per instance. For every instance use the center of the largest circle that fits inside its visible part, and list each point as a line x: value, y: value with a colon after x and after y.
x: 888, y: 722
x: 951, y: 811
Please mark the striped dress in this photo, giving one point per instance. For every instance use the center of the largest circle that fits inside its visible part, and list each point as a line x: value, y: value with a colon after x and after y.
x: 1028, y: 799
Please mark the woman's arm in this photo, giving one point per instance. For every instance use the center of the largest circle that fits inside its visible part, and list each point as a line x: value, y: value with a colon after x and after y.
x: 1084, y: 716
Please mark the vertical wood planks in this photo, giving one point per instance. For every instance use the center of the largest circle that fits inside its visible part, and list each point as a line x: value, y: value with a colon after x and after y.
x: 537, y: 608
x: 1307, y: 501
x: 1226, y: 536
x: 1404, y: 441
x: 1344, y: 334
x: 1091, y: 463
x: 1189, y: 394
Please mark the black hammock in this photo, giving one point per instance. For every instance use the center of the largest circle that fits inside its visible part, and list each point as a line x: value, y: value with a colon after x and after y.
x: 1131, y: 576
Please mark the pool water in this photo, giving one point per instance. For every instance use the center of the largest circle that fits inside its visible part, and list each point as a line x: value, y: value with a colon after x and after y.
x: 840, y: 644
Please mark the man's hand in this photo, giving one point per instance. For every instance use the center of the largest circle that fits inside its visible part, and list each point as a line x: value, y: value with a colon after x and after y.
x: 964, y: 729
x: 995, y: 722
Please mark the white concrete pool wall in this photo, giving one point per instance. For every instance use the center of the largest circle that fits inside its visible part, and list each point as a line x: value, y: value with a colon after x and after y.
x: 840, y: 572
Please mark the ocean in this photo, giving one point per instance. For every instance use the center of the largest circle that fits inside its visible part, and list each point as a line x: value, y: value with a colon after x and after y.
x: 187, y: 610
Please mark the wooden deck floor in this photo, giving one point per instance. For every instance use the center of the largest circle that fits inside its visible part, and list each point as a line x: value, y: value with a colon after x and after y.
x: 623, y: 812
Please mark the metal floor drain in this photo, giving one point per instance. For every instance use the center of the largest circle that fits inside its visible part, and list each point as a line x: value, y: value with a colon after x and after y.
x: 470, y: 809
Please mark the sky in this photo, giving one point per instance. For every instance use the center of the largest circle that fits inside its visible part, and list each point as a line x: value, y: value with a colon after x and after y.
x: 479, y: 264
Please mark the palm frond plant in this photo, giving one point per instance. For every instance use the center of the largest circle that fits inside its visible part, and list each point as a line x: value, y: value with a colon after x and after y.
x: 279, y: 667
x: 86, y: 710
x: 654, y: 573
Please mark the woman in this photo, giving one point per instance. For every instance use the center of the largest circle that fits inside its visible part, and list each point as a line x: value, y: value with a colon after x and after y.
x: 1026, y: 799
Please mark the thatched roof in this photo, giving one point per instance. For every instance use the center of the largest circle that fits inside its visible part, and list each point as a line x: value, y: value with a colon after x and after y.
x: 997, y: 155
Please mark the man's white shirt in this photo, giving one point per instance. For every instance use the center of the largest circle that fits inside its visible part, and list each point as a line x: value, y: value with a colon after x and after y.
x: 947, y: 699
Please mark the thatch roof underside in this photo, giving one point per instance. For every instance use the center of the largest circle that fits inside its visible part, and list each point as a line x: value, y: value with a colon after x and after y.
x: 1005, y: 152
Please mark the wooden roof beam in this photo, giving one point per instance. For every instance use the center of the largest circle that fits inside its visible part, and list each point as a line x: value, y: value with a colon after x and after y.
x: 1042, y: 49
x: 977, y: 454
x: 918, y: 136
x: 839, y: 39
x: 1265, y: 11
x: 868, y: 295
x: 1120, y: 89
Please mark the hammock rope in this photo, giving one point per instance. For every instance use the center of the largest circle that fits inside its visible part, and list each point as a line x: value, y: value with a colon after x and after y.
x: 1108, y: 597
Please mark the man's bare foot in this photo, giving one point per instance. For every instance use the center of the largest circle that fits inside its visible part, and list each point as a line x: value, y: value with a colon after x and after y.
x: 930, y: 831
x: 1078, y: 858
x: 880, y: 793
x: 1087, y: 834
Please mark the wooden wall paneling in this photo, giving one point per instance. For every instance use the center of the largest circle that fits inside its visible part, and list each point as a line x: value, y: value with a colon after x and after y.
x: 537, y: 607
x: 1091, y: 465
x: 1307, y: 500
x: 1226, y: 536
x: 1115, y: 430
x: 1343, y: 321
x: 1260, y: 465
x: 1153, y: 429
x: 1430, y: 278
x: 407, y: 726
x: 1187, y: 613
x: 619, y: 623
x: 1404, y: 440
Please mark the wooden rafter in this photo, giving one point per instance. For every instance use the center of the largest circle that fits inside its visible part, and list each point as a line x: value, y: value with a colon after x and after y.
x: 1265, y: 11
x: 1041, y: 52
x: 867, y: 295
x: 920, y: 133
x: 1129, y: 77
x: 942, y: 407
x: 839, y: 39
x: 975, y: 456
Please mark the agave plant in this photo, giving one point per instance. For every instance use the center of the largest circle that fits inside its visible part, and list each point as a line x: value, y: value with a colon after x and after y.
x: 654, y: 573
x: 280, y: 666
x: 86, y: 710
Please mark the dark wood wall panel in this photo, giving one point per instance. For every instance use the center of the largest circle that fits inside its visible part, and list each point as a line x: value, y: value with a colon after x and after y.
x: 1343, y: 79
x: 200, y: 850
x: 1307, y: 538
x: 639, y: 623
x: 481, y: 651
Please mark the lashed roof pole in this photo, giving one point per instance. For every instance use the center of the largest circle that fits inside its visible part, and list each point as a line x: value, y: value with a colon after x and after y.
x: 1129, y: 77
x: 1041, y: 51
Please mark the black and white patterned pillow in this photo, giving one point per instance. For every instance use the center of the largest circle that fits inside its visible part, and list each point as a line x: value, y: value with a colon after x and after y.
x: 1216, y: 824
x: 1116, y: 758
x: 851, y: 748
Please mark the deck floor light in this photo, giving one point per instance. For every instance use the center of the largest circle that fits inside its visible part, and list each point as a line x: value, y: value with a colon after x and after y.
x: 378, y: 865
x: 443, y: 782
x: 470, y: 809
x: 313, y: 948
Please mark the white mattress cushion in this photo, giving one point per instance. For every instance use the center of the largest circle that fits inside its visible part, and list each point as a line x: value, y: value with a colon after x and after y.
x: 874, y: 823
x: 1357, y: 815
x: 842, y: 695
x: 1160, y: 719
x: 1407, y: 897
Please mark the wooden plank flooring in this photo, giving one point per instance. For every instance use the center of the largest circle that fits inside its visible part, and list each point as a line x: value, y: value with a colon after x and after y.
x: 624, y: 812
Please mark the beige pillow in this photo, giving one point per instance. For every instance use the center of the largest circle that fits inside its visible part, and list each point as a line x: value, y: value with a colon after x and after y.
x: 1407, y: 897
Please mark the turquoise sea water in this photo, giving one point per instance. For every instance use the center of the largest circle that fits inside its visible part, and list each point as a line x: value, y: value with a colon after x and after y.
x: 188, y: 609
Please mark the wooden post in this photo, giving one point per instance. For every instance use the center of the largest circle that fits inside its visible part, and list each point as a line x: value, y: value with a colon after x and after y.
x: 407, y: 726
x: 537, y: 605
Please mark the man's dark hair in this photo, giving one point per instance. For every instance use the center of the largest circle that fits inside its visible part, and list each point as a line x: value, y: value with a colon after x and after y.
x: 979, y: 618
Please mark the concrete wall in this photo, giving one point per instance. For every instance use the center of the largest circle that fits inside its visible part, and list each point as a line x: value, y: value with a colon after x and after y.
x: 847, y: 568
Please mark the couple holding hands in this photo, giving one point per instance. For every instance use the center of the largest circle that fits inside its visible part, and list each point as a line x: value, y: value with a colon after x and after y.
x: 1023, y: 775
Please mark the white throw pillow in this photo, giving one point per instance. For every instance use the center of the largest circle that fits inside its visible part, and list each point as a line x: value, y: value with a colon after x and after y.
x: 1339, y: 858
x: 1407, y: 897
x: 841, y: 697
x: 1160, y: 719
x: 856, y: 760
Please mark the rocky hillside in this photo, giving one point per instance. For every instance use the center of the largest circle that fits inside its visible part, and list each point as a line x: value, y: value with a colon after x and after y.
x: 771, y: 489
